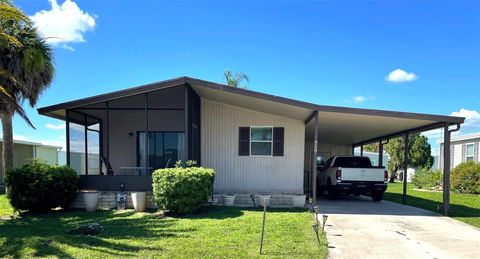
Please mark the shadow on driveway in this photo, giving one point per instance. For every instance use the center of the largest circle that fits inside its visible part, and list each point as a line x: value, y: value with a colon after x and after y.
x: 365, y: 205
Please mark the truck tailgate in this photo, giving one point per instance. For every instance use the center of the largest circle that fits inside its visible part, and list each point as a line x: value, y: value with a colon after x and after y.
x: 363, y: 174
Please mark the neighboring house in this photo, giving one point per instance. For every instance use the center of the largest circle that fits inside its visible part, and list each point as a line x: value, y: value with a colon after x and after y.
x: 257, y: 143
x: 462, y: 148
x: 25, y: 151
x: 374, y: 157
x: 436, y: 165
x: 410, y: 173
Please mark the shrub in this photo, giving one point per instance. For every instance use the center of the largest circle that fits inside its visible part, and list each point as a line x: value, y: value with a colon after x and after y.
x: 426, y: 179
x: 465, y: 178
x: 182, y: 190
x: 41, y: 187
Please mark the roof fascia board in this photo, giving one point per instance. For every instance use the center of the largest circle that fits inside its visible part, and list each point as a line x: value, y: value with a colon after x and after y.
x: 273, y: 98
x: 432, y: 126
x: 114, y: 95
x: 326, y: 108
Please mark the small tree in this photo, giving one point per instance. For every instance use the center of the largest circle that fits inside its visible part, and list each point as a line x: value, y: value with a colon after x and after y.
x: 466, y: 178
x: 419, y: 153
x: 371, y: 147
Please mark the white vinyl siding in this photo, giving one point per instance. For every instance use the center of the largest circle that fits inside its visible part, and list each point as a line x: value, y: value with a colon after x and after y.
x: 250, y: 174
x: 457, y: 155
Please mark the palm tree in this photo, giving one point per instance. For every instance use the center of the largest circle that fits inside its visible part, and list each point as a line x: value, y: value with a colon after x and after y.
x: 26, y: 70
x: 8, y: 12
x: 235, y: 80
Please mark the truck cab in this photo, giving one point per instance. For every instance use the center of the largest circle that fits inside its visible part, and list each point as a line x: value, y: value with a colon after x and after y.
x: 351, y: 175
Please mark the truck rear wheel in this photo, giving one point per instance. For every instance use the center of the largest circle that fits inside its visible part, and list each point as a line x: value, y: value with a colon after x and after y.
x: 377, y: 196
x: 332, y: 194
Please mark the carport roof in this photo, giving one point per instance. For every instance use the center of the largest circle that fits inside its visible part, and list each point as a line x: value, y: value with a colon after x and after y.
x: 337, y: 124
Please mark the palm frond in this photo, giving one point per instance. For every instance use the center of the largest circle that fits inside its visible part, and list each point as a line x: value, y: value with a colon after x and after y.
x: 9, y: 39
x: 10, y: 12
x: 8, y: 100
x: 235, y: 80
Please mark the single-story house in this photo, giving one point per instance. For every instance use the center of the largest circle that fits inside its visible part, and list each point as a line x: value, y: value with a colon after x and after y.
x: 256, y: 142
x: 463, y: 148
x: 24, y: 152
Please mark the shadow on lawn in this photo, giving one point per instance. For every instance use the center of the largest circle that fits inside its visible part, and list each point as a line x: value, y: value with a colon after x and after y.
x: 224, y: 212
x: 43, y: 234
x: 436, y: 206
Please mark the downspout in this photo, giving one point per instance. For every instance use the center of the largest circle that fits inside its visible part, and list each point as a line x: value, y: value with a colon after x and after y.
x: 446, y: 167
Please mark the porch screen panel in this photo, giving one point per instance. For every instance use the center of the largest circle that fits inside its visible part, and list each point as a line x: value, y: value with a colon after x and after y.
x: 165, y: 148
x: 77, y: 148
x: 93, y: 148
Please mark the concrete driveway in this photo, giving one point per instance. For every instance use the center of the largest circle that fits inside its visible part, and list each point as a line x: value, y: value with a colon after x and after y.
x: 359, y: 228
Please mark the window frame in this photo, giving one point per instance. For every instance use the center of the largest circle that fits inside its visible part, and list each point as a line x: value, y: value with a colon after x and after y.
x: 466, y: 152
x: 261, y: 141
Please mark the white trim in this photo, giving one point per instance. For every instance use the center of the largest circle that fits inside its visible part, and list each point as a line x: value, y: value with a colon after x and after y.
x: 472, y: 136
x: 261, y: 141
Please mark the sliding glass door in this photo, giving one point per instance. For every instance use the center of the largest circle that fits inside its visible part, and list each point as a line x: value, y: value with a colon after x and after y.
x: 165, y: 148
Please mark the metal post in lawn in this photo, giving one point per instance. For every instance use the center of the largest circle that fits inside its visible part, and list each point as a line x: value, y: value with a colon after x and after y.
x: 263, y: 225
x: 314, y: 160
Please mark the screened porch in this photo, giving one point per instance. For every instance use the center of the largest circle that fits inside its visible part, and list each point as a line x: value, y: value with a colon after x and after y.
x: 123, y: 140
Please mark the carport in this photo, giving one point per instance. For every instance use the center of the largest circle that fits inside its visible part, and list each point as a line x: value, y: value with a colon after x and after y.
x: 339, y: 130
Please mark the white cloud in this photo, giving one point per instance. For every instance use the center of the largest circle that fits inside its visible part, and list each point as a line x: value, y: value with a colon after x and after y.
x: 433, y: 134
x: 60, y: 126
x: 472, y: 124
x: 400, y: 76
x: 361, y: 99
x: 63, y: 24
x: 20, y: 137
x: 472, y: 119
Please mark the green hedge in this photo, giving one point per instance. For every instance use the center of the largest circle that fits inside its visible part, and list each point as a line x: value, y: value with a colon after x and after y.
x: 41, y: 187
x: 182, y: 190
x: 465, y: 178
x: 426, y: 179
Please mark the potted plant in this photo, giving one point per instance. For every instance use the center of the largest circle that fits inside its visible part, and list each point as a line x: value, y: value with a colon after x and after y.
x: 262, y: 200
x: 229, y: 199
x: 299, y: 200
x: 91, y: 200
x: 139, y: 200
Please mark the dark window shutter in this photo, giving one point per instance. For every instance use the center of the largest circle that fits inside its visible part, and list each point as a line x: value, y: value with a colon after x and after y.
x: 278, y: 135
x: 244, y: 141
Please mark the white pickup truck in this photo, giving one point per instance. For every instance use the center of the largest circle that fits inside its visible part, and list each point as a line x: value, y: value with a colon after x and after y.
x: 352, y: 175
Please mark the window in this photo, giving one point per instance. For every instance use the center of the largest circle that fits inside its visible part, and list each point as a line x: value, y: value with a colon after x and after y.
x: 261, y: 141
x: 469, y: 152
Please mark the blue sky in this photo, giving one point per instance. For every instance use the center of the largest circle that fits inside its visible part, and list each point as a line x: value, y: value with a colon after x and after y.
x: 334, y: 53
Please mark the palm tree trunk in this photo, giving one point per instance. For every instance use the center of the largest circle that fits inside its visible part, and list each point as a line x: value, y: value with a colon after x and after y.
x: 7, y: 148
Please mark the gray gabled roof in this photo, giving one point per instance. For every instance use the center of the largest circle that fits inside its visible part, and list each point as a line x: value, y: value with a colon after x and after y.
x: 240, y: 91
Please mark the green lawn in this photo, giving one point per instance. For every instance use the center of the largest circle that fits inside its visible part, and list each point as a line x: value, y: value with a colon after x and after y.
x: 219, y: 232
x: 463, y: 207
x: 5, y: 208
